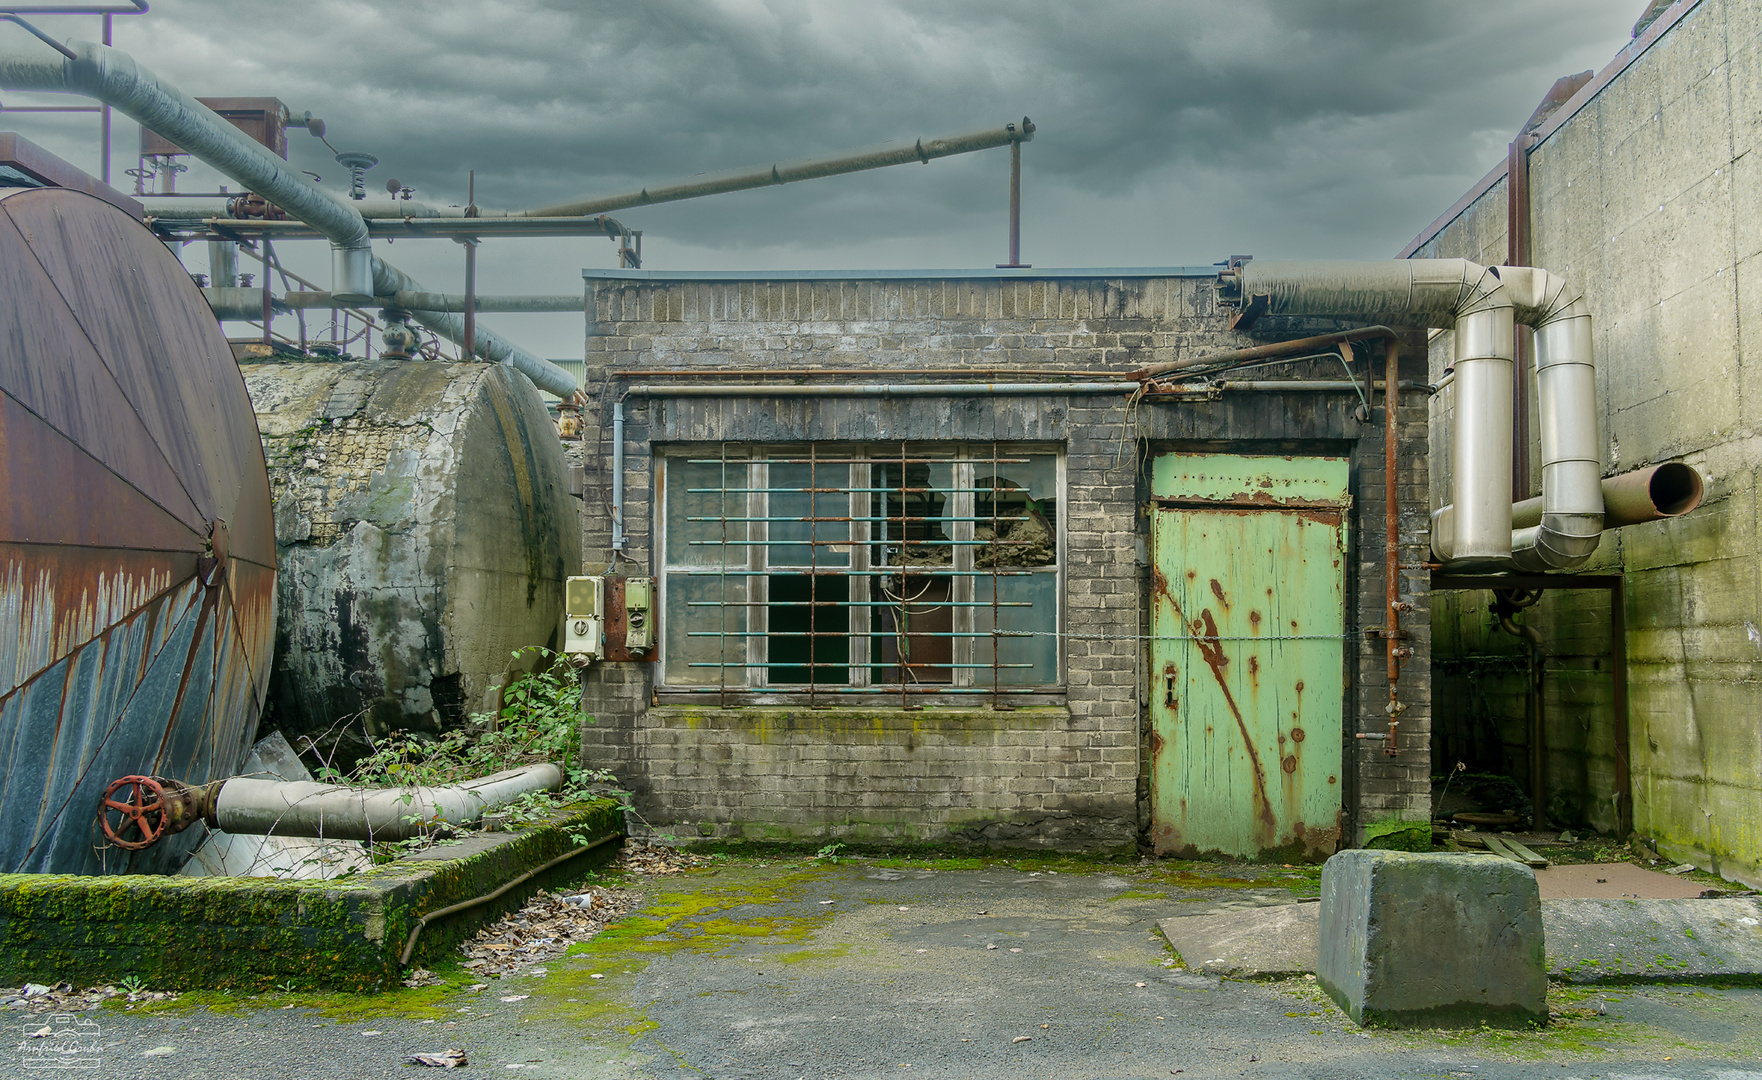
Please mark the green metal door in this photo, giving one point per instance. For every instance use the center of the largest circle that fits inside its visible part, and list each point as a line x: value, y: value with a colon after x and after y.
x: 1247, y: 680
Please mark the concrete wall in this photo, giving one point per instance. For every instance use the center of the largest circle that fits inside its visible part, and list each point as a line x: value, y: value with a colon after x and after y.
x: 1073, y: 773
x: 424, y: 528
x: 1646, y: 198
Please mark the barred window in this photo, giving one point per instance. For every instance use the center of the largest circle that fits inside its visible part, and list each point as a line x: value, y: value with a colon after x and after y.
x: 849, y: 570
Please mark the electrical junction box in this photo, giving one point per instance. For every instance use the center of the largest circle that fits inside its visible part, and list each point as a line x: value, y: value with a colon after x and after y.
x: 584, y: 623
x: 639, y: 614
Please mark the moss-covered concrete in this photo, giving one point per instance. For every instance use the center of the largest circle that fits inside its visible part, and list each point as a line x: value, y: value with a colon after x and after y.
x: 262, y: 933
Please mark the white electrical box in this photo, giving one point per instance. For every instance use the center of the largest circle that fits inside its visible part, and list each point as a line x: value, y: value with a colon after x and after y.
x: 584, y: 617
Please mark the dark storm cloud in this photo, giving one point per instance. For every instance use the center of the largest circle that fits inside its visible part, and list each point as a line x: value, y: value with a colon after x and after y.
x: 1344, y: 124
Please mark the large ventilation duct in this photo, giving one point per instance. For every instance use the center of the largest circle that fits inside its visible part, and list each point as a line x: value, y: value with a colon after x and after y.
x: 1481, y: 304
x: 115, y: 78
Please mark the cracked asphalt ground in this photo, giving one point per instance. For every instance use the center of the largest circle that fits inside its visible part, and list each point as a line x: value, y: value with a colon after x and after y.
x: 958, y: 968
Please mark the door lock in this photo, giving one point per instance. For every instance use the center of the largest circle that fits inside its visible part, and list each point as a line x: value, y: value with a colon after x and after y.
x: 1168, y: 695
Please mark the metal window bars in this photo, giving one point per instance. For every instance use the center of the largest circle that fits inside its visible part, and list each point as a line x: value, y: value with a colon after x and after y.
x: 901, y: 565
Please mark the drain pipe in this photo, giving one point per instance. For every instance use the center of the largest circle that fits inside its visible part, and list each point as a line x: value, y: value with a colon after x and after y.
x: 618, y: 472
x: 116, y: 79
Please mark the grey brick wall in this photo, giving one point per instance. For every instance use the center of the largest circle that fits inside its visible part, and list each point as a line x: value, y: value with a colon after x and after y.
x: 1070, y: 774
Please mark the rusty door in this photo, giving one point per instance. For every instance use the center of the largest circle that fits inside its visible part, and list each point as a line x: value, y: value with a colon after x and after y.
x: 1247, y: 680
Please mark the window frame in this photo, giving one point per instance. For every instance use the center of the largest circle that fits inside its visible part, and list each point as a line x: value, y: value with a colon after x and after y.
x: 968, y: 685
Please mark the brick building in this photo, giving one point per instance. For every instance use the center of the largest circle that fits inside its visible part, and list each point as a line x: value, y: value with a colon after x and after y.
x: 931, y: 572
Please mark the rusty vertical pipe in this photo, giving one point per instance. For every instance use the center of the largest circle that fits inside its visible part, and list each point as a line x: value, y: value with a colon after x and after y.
x: 1392, y: 529
x: 268, y: 310
x: 1517, y: 253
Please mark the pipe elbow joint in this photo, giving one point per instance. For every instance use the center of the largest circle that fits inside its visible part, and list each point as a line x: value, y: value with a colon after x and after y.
x: 1560, y: 542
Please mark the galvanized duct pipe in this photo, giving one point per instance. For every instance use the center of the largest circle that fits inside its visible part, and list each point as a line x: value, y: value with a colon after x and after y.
x: 388, y: 281
x: 305, y: 808
x: 1481, y: 304
x: 1566, y: 399
x: 114, y: 78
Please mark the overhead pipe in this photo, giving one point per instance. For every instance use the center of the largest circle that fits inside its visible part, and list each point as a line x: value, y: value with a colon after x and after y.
x: 921, y: 150
x: 429, y: 301
x: 389, y: 281
x: 877, y: 390
x: 114, y: 77
x: 357, y: 277
x: 1482, y: 304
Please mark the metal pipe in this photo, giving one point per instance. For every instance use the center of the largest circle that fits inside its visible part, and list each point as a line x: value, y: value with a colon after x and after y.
x: 454, y: 302
x: 466, y: 905
x: 268, y: 310
x: 223, y: 264
x: 305, y: 808
x: 114, y: 78
x: 922, y: 150
x: 1394, y: 651
x: 389, y: 281
x: 977, y: 389
x: 470, y: 342
x: 618, y: 475
x: 1566, y: 403
x: 1483, y: 305
x: 1265, y: 352
x: 1282, y: 386
x: 1632, y: 498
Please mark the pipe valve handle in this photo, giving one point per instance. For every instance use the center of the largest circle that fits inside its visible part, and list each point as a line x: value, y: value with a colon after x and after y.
x: 139, y: 810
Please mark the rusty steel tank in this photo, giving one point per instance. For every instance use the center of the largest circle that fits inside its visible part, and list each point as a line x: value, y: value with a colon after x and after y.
x: 137, y: 547
x: 425, y: 529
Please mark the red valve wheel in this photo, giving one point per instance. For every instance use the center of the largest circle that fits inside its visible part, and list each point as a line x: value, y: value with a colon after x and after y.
x: 143, y: 810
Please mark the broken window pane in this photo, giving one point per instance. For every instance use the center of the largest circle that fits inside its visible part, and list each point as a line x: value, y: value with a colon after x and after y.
x: 1015, y: 511
x: 809, y: 629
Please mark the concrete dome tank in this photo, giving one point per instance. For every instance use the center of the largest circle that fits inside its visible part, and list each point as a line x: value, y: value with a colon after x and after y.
x: 425, y: 527
x: 137, y: 552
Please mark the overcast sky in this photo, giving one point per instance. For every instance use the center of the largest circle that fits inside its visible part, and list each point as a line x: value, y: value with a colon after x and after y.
x: 1170, y: 133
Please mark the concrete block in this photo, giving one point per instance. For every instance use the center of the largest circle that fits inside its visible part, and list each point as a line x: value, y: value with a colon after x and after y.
x: 1247, y: 943
x: 1422, y: 940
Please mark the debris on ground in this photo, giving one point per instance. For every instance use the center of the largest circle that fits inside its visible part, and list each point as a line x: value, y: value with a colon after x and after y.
x: 640, y: 858
x: 423, y: 977
x: 542, y: 930
x: 451, y: 1059
x: 62, y: 997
